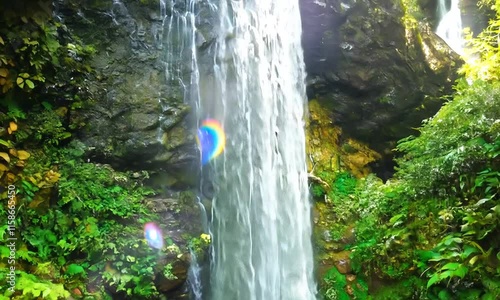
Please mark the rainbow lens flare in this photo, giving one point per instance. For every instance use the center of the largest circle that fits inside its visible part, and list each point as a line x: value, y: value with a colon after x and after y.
x: 211, y: 139
x: 152, y: 234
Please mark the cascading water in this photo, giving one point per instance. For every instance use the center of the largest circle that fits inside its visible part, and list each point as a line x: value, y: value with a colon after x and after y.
x: 450, y: 25
x: 261, y: 213
x: 255, y: 87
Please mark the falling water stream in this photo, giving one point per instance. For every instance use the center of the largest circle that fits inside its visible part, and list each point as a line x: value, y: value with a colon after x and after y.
x: 261, y: 216
x: 450, y: 25
x: 254, y: 85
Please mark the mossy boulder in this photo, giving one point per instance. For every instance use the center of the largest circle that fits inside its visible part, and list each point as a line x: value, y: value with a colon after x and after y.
x: 137, y: 118
x: 330, y: 150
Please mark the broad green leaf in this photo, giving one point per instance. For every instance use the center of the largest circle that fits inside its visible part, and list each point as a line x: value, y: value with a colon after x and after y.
x: 450, y: 266
x: 468, y: 250
x: 434, y: 279
x: 30, y: 84
x: 74, y: 269
x: 461, y: 271
x: 446, y: 274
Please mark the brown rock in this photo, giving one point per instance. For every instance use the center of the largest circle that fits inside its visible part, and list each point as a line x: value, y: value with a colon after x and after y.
x: 342, y: 262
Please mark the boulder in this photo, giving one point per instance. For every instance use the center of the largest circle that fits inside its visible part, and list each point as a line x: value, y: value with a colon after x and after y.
x: 378, y: 70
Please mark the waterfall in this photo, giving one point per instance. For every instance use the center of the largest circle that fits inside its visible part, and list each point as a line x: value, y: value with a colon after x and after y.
x: 261, y: 213
x: 194, y: 277
x: 450, y: 25
x: 251, y: 79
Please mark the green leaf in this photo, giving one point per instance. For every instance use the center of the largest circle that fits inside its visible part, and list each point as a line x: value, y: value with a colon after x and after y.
x: 30, y: 84
x: 46, y: 293
x: 434, y: 279
x: 461, y: 271
x: 74, y: 269
x: 450, y: 266
x: 482, y: 201
x: 468, y: 250
x: 7, y: 144
x: 20, y: 82
x: 47, y: 105
x: 473, y: 260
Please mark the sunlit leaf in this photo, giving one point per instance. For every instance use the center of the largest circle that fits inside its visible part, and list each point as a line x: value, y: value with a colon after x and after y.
x: 12, y: 126
x: 4, y: 72
x: 5, y: 156
x: 23, y: 155
x: 30, y: 84
x: 482, y: 201
x: 450, y: 266
x: 434, y: 279
x: 473, y: 260
x: 13, y: 152
x: 20, y: 82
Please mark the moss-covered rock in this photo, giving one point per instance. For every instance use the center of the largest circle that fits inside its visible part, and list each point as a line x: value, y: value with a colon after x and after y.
x: 330, y: 150
x: 138, y: 118
x: 380, y: 71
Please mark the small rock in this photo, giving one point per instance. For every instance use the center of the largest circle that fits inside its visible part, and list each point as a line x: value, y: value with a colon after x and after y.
x: 342, y: 262
x: 327, y: 236
x: 349, y: 290
x: 76, y: 291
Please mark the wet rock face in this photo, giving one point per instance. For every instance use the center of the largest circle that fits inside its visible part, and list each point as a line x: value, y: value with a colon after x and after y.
x: 136, y: 119
x: 380, y: 75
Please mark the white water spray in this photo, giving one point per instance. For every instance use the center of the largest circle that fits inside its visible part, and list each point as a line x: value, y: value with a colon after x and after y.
x: 450, y: 25
x: 255, y: 86
x: 261, y: 213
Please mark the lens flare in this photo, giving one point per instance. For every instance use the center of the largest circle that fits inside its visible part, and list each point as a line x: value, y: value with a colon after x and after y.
x: 152, y: 234
x: 211, y: 139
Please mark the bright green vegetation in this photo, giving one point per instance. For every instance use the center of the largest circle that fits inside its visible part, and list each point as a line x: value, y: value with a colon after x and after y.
x: 432, y: 231
x: 482, y: 55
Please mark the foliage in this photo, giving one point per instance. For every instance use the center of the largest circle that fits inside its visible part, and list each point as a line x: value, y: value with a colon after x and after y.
x: 36, y: 53
x: 78, y: 224
x: 30, y: 286
x: 462, y: 139
x: 94, y: 206
x: 335, y: 285
x: 433, y: 226
x: 413, y: 13
x: 483, y: 52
